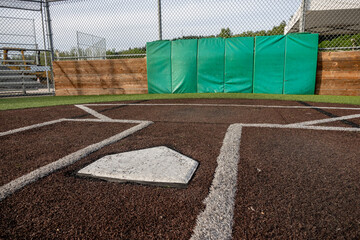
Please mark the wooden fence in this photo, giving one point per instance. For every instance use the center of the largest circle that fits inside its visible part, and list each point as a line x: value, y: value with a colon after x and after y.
x: 100, y: 77
x: 338, y: 73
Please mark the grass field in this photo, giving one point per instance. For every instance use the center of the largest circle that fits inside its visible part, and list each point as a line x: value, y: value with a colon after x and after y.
x: 30, y: 102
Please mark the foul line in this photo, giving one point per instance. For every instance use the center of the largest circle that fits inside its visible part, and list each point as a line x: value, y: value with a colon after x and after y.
x: 31, y: 127
x: 93, y: 112
x: 216, y: 221
x: 216, y: 105
x: 104, y: 121
x: 41, y: 172
x: 326, y: 120
x: 17, y: 130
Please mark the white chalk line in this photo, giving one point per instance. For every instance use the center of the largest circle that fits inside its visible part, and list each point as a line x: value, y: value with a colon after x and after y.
x: 304, y: 127
x: 41, y: 172
x: 216, y: 221
x: 68, y: 120
x: 326, y: 120
x: 217, y: 105
x: 31, y: 127
x: 104, y: 121
x: 93, y: 112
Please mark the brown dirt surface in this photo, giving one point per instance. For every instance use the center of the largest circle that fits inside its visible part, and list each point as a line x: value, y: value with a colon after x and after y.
x: 298, y: 184
x: 63, y: 205
x: 204, y: 114
x: 230, y: 101
x: 23, y: 152
x: 307, y: 187
x: 12, y: 119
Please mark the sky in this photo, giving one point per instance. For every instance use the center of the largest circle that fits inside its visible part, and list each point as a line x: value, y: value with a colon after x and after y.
x: 132, y: 23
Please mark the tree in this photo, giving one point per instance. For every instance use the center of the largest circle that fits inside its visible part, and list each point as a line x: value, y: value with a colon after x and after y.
x: 225, y: 33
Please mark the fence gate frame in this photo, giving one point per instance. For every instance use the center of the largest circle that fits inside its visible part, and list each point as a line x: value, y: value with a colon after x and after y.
x: 17, y: 73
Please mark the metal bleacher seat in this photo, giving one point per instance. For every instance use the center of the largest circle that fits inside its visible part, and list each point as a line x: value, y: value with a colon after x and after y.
x: 17, y: 78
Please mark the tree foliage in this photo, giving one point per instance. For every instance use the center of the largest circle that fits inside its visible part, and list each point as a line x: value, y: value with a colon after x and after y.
x: 342, y: 41
x: 225, y: 33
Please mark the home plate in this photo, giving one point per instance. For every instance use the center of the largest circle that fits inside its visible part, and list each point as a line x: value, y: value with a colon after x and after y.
x: 155, y: 166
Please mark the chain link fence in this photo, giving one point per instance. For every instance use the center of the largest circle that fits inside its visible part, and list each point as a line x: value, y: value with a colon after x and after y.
x: 39, y: 30
x: 90, y: 46
x: 128, y: 25
x: 25, y: 59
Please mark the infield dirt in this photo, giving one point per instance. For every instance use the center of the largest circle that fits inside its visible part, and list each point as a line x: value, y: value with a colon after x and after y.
x: 301, y: 184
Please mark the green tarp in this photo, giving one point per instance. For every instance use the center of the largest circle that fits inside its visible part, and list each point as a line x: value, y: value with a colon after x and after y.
x: 300, y: 63
x: 269, y: 64
x: 183, y: 66
x: 239, y: 62
x: 159, y: 66
x: 210, y: 65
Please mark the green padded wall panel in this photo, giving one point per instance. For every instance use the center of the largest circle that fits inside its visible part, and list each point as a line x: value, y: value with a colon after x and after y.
x: 269, y: 64
x: 183, y: 66
x: 300, y: 63
x: 158, y: 55
x: 210, y: 67
x: 239, y: 62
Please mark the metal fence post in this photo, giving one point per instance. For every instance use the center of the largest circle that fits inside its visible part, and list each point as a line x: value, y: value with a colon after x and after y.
x: 51, y: 45
x: 45, y: 47
x: 159, y: 14
x: 302, y: 16
x: 23, y: 83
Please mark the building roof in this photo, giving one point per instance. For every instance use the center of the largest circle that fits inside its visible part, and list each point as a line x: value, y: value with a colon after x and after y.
x: 328, y: 17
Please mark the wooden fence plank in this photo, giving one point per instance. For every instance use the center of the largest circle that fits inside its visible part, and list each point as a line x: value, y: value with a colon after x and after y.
x: 338, y: 65
x: 339, y: 56
x: 355, y: 75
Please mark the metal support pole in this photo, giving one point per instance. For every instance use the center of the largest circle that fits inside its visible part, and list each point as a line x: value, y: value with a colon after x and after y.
x: 45, y: 53
x: 51, y: 45
x: 159, y: 14
x: 78, y: 45
x: 23, y: 83
x: 37, y: 62
x: 49, y: 28
x: 302, y: 16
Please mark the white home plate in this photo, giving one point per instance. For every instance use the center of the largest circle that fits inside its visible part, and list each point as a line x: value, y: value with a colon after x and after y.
x: 156, y: 166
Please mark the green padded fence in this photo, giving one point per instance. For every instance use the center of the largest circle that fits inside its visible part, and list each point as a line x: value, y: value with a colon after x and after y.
x: 300, y: 63
x: 239, y: 62
x: 269, y: 64
x: 274, y: 64
x: 159, y: 66
x: 183, y: 66
x: 210, y: 65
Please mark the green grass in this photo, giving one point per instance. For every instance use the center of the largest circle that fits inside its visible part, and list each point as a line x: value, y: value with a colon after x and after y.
x: 31, y: 102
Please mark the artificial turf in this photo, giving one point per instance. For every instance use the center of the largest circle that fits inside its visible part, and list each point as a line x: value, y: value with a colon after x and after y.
x: 30, y: 102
